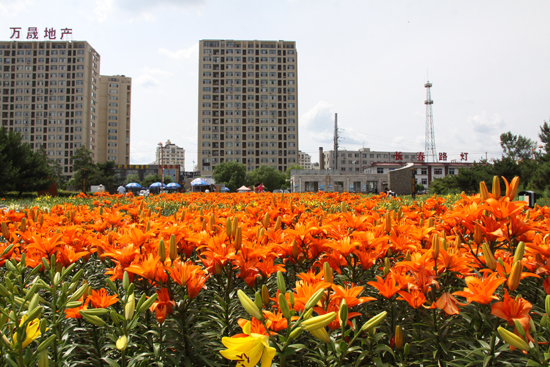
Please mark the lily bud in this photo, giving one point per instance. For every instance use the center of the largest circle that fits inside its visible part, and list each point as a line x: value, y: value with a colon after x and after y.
x: 327, y: 270
x: 489, y: 258
x: 435, y: 246
x: 544, y: 321
x: 278, y: 223
x: 281, y: 282
x: 343, y: 313
x: 249, y: 305
x: 291, y: 299
x: 266, y: 221
x: 483, y: 192
x: 374, y: 321
x: 294, y: 249
x: 314, y: 299
x: 321, y: 334
x: 130, y: 307
x: 162, y: 251
x: 431, y: 222
x: 514, y: 185
x: 515, y: 276
x: 23, y: 225
x: 239, y: 239
x: 513, y: 339
x: 408, y: 256
x: 265, y: 296
x: 387, y: 266
x: 318, y: 322
x: 295, y: 334
x: 547, y: 305
x: 398, y: 337
x: 258, y: 300
x: 122, y: 343
x: 388, y: 221
x: 520, y: 250
x: 478, y: 235
x: 228, y: 229
x: 496, y: 187
x: 125, y: 281
x: 234, y: 226
x: 173, y: 248
x: 283, y: 306
x: 519, y: 328
x: 406, y: 350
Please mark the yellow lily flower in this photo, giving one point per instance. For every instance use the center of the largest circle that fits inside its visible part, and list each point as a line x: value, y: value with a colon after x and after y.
x: 248, y: 351
x: 32, y: 332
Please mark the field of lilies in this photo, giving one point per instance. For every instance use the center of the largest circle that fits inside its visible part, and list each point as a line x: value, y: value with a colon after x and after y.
x: 321, y: 279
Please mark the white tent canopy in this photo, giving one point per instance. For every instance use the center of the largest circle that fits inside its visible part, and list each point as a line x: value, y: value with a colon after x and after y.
x: 243, y: 189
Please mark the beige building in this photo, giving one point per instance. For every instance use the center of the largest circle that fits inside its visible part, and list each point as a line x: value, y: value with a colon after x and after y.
x: 359, y: 160
x: 115, y: 97
x: 304, y: 160
x: 170, y: 153
x: 50, y: 93
x: 248, y: 104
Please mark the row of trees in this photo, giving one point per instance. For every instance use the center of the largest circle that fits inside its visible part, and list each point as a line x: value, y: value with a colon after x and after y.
x: 234, y: 175
x: 22, y: 169
x: 522, y: 157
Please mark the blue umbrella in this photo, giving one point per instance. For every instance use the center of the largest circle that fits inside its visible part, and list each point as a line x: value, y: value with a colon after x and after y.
x: 157, y: 184
x: 226, y: 189
x: 133, y: 185
x: 173, y: 185
x: 199, y: 182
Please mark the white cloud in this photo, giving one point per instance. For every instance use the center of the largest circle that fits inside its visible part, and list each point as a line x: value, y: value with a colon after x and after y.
x: 13, y: 8
x: 485, y: 123
x: 320, y: 117
x: 142, y: 152
x: 158, y: 72
x: 146, y: 80
x: 103, y: 9
x: 185, y: 53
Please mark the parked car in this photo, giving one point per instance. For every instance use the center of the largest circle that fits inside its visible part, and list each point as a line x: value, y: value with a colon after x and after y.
x: 144, y: 193
x: 277, y: 191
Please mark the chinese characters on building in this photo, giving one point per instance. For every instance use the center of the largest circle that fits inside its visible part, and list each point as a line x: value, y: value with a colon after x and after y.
x: 33, y: 33
x: 420, y: 156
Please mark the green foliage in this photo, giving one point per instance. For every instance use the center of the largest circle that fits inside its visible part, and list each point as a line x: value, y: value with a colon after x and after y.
x: 269, y: 176
x: 232, y: 174
x: 152, y: 178
x: 516, y: 146
x: 21, y: 169
x: 134, y: 177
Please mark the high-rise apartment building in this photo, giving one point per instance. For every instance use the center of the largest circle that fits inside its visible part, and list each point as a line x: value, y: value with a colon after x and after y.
x: 50, y: 93
x: 304, y: 160
x: 170, y: 154
x: 248, y: 104
x: 115, y: 97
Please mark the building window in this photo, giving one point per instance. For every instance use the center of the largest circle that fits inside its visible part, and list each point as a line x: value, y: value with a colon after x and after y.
x: 380, y: 170
x: 438, y: 171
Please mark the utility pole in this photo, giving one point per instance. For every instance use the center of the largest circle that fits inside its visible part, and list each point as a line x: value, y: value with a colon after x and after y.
x: 161, y: 163
x: 336, y: 140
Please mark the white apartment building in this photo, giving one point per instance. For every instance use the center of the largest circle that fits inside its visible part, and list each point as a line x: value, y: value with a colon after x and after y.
x: 170, y: 154
x: 304, y: 160
x: 248, y: 104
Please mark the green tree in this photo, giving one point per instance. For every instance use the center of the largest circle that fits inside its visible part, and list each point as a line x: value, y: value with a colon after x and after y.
x: 517, y: 147
x: 83, y: 165
x: 232, y: 174
x: 134, y: 177
x: 269, y: 176
x: 155, y: 177
x: 106, y: 176
x: 22, y: 169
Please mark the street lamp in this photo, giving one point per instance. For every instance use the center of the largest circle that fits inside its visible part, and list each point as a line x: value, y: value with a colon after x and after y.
x: 161, y: 163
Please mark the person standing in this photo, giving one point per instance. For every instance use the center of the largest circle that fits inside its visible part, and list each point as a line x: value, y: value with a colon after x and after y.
x: 121, y: 190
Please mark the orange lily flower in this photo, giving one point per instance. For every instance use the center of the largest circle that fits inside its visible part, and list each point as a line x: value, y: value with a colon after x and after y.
x: 481, y: 290
x: 102, y: 299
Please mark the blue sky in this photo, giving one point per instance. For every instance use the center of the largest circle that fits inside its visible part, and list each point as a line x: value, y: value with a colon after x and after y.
x: 365, y: 60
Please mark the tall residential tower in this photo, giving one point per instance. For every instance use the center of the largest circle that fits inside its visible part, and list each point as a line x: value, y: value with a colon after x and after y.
x: 248, y: 104
x: 52, y: 94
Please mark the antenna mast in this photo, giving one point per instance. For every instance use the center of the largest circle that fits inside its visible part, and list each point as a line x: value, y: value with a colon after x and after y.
x: 430, y: 152
x: 336, y: 139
